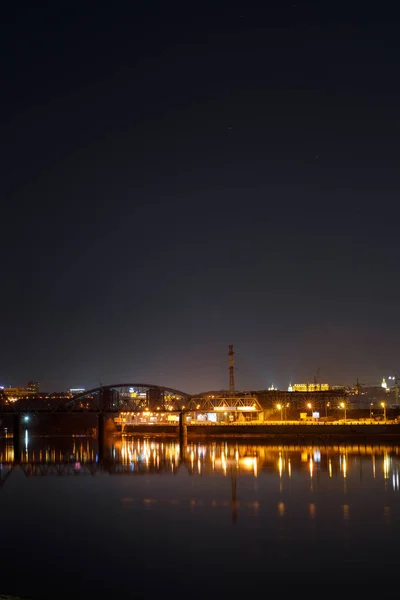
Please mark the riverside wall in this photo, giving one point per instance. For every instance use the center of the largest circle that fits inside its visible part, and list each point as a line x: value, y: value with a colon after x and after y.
x: 272, y: 432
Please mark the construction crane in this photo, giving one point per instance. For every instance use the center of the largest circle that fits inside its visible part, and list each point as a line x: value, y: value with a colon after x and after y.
x: 231, y: 356
x: 358, y: 387
x: 316, y: 379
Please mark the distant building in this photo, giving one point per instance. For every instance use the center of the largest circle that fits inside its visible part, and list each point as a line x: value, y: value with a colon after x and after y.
x: 16, y: 393
x: 33, y: 386
x: 310, y: 387
x: 76, y: 391
x: 155, y: 397
x: 373, y: 393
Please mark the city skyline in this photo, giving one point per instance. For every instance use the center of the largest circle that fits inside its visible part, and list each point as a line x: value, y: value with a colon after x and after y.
x: 177, y: 180
x: 388, y: 382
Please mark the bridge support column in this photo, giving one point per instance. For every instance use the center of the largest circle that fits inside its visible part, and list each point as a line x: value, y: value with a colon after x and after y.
x: 101, y: 436
x: 17, y: 430
x: 182, y: 436
x: 182, y: 426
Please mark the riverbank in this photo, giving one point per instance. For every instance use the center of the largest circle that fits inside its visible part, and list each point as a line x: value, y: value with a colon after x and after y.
x: 363, y: 433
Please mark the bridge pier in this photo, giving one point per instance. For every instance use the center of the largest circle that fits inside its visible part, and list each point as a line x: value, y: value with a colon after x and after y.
x: 101, y: 441
x: 182, y: 427
x: 182, y: 437
x: 17, y: 434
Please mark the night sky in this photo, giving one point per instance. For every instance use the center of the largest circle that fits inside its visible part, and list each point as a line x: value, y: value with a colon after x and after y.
x: 177, y: 180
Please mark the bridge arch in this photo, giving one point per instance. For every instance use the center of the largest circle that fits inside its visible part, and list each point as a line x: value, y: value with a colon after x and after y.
x: 131, y: 397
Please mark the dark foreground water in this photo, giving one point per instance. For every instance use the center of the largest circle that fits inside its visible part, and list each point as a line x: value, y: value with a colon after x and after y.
x: 209, y: 520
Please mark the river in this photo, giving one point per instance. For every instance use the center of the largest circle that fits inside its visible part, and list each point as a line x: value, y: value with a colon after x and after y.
x: 206, y: 519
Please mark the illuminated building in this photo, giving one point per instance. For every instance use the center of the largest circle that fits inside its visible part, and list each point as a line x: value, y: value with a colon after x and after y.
x: 76, y: 391
x: 33, y: 386
x: 15, y: 393
x: 310, y: 387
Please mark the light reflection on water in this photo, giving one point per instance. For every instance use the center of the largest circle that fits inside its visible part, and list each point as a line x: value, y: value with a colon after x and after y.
x: 145, y: 455
x: 206, y: 518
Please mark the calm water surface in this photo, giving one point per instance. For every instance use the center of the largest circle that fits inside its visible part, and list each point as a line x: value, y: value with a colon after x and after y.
x: 210, y: 519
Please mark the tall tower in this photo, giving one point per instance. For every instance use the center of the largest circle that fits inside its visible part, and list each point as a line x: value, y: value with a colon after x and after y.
x: 231, y: 355
x: 33, y: 386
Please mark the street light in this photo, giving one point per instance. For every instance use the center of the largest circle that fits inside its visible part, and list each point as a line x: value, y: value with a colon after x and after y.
x: 326, y: 408
x: 370, y: 410
x: 309, y: 405
x: 279, y: 407
x: 343, y: 405
x: 383, y: 404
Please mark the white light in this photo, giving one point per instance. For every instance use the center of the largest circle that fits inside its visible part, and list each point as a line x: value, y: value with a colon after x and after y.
x: 26, y: 419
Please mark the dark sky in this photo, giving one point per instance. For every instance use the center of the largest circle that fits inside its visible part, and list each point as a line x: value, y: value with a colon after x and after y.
x: 177, y: 180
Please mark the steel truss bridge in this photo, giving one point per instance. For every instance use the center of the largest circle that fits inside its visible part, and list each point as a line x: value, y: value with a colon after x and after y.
x: 131, y: 397
x: 225, y: 404
x: 119, y: 398
x: 104, y: 399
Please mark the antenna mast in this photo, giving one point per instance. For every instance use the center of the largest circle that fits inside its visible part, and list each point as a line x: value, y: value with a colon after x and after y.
x: 231, y: 355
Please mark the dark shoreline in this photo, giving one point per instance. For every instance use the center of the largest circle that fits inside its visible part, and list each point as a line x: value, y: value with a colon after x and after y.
x: 302, y: 433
